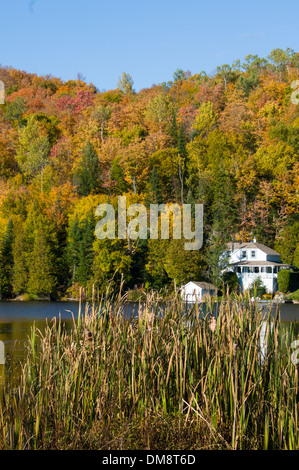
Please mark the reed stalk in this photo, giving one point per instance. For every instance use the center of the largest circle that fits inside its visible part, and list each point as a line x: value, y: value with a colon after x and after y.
x: 202, y: 367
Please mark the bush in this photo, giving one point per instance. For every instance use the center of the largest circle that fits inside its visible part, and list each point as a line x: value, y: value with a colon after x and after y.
x: 295, y: 295
x: 231, y: 281
x: 257, y: 288
x: 283, y: 281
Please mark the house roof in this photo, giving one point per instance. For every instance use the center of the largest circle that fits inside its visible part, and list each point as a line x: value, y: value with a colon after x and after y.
x: 258, y: 263
x: 252, y: 245
x: 203, y: 285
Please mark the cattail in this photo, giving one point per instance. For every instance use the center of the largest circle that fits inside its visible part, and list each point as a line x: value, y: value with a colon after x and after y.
x: 87, y: 335
x: 212, y: 324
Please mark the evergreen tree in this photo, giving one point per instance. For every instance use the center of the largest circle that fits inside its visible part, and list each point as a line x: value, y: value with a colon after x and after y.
x: 59, y: 243
x: 155, y: 188
x: 88, y: 174
x: 72, y: 249
x: 118, y: 177
x: 223, y: 206
x: 42, y: 280
x: 182, y: 142
x: 20, y: 269
x: 86, y: 253
x: 183, y: 159
x: 174, y: 130
x: 6, y: 262
x: 215, y: 258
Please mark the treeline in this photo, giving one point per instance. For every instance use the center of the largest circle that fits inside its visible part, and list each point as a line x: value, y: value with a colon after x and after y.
x: 229, y: 141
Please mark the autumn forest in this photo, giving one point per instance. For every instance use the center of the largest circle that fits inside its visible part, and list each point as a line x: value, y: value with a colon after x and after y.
x: 229, y: 141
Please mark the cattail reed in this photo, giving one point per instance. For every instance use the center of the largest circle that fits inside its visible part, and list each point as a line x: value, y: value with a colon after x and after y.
x: 111, y: 382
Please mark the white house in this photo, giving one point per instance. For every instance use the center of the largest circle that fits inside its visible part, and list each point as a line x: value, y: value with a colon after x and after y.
x: 250, y: 260
x: 197, y: 291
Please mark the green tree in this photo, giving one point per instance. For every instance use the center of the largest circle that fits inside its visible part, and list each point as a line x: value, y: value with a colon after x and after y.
x: 102, y: 114
x: 160, y: 110
x: 112, y: 263
x: 205, y: 120
x: 183, y: 159
x: 216, y: 259
x: 20, y: 268
x: 155, y: 273
x: 88, y: 174
x: 287, y: 244
x: 257, y: 288
x: 180, y: 75
x: 223, y: 207
x: 173, y: 132
x: 14, y: 110
x: 283, y: 281
x: 33, y: 151
x: 280, y: 59
x: 230, y: 281
x: 227, y: 74
x: 118, y: 177
x: 72, y: 249
x: 6, y: 262
x: 155, y: 188
x: 125, y: 83
x: 86, y: 253
x: 42, y: 280
x: 182, y: 265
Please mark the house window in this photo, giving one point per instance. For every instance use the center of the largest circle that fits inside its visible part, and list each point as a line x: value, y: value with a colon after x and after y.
x: 244, y: 254
x: 256, y: 269
x: 253, y: 254
x: 263, y: 269
x: 238, y: 269
x: 268, y: 269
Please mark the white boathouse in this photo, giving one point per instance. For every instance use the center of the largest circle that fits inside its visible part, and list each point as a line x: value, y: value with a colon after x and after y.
x: 197, y: 291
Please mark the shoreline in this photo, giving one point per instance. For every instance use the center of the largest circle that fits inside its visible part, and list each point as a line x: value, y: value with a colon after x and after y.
x: 20, y: 299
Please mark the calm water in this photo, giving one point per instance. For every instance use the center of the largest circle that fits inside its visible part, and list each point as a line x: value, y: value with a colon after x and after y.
x: 17, y: 318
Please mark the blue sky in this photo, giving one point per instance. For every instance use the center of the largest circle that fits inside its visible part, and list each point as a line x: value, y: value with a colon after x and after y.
x: 147, y: 39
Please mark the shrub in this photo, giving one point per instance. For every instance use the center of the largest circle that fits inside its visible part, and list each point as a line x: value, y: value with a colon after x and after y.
x: 231, y: 281
x: 295, y: 295
x: 257, y: 288
x: 283, y: 281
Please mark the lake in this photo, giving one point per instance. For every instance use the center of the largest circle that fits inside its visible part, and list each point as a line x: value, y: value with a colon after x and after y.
x: 17, y: 319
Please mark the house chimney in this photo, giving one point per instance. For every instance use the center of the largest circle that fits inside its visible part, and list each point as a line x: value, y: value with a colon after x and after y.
x: 232, y: 245
x: 254, y: 240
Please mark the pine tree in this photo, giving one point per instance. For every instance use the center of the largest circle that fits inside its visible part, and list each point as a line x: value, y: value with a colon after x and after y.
x: 182, y: 142
x: 155, y: 188
x: 88, y: 174
x: 72, y: 249
x: 174, y: 130
x: 223, y: 207
x: 215, y: 259
x: 6, y: 262
x: 20, y: 269
x: 183, y: 156
x: 118, y: 177
x: 42, y: 280
x: 86, y: 253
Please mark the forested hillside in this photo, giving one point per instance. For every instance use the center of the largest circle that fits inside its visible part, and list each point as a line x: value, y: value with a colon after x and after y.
x: 229, y: 141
